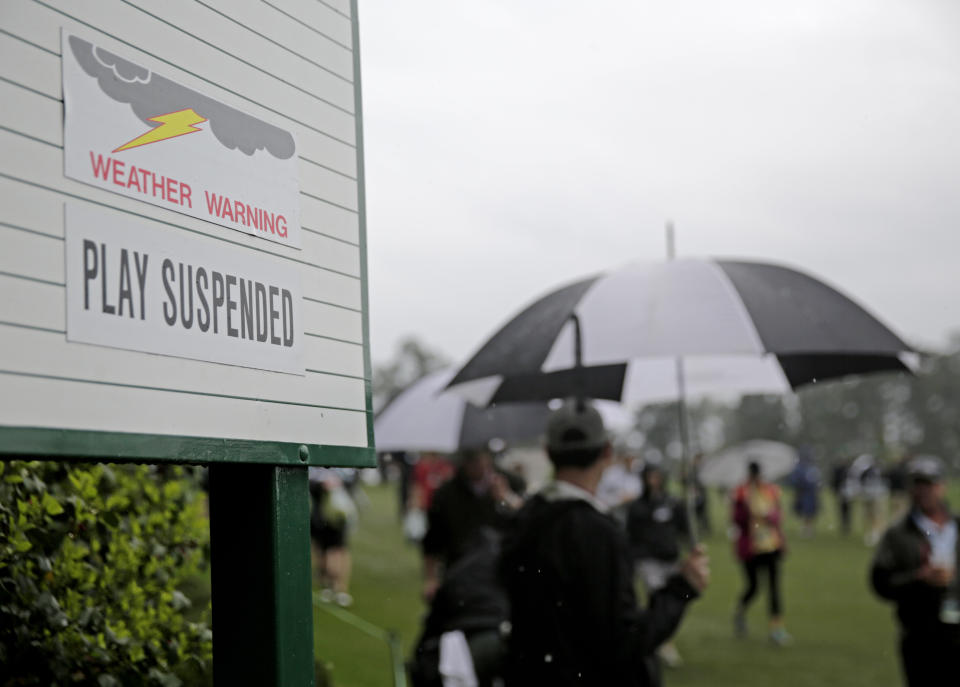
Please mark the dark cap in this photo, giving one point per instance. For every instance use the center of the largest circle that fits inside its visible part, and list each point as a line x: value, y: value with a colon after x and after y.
x: 574, y: 426
x: 925, y: 469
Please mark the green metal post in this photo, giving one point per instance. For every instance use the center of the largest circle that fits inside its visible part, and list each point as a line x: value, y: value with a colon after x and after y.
x: 260, y: 569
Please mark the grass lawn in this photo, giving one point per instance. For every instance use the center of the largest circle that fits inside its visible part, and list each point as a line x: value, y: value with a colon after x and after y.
x: 843, y: 635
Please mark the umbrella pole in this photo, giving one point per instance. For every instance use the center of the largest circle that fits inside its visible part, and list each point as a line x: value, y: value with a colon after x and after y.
x: 686, y: 464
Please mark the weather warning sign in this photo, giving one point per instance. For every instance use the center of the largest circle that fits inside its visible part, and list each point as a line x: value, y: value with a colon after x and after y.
x: 131, y: 131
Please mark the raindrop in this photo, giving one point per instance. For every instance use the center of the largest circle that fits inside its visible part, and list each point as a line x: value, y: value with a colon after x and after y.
x: 548, y: 658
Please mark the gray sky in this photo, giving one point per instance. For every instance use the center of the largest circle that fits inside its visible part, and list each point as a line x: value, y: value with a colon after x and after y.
x: 515, y: 145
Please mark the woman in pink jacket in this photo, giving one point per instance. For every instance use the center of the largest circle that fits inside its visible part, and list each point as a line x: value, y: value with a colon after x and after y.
x: 760, y: 547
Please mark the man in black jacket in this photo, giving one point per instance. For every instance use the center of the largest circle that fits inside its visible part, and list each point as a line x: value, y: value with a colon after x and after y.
x: 567, y: 571
x: 915, y: 567
x: 657, y: 528
x: 477, y: 496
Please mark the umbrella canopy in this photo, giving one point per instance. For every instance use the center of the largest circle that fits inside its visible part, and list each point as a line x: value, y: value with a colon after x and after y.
x: 728, y: 468
x: 423, y: 418
x: 798, y: 328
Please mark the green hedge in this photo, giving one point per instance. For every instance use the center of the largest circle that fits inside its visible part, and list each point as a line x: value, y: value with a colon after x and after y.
x: 92, y: 562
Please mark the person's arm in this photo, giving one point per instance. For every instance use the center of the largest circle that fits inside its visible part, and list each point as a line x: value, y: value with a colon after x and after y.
x: 431, y: 576
x: 637, y: 631
x: 434, y: 546
x: 740, y: 511
x: 505, y: 497
x: 892, y: 579
x: 684, y: 532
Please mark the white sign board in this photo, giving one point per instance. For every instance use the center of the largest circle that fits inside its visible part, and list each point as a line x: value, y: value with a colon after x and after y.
x: 140, y: 134
x: 136, y: 144
x: 132, y: 286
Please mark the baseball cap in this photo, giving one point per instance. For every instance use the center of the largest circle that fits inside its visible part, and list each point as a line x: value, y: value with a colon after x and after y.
x: 576, y: 425
x: 925, y: 469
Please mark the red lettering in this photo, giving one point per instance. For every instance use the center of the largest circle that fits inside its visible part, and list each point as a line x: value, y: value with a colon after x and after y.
x: 228, y: 210
x: 118, y: 167
x: 185, y: 195
x: 171, y: 189
x: 241, y: 212
x: 282, y: 226
x: 133, y: 179
x: 253, y: 217
x: 100, y: 169
x: 213, y: 203
x: 267, y: 222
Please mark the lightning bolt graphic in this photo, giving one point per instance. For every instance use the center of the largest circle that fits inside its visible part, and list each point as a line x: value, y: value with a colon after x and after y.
x: 173, y: 124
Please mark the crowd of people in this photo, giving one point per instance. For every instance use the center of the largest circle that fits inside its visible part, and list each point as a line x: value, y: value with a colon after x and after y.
x: 540, y: 588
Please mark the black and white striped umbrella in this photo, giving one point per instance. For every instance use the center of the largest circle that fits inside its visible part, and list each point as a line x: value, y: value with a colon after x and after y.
x: 731, y: 310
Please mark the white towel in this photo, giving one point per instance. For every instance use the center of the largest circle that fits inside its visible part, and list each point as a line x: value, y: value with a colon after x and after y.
x: 456, y: 663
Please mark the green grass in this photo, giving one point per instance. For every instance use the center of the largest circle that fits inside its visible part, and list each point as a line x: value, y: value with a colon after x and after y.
x: 843, y: 635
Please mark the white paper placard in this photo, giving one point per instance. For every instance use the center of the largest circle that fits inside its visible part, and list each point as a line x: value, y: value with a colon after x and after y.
x: 134, y: 132
x: 131, y: 285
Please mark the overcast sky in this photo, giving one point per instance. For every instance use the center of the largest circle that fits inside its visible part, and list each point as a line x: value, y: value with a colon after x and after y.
x: 515, y: 145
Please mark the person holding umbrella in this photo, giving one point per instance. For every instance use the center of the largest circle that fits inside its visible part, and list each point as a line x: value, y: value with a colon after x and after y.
x: 657, y: 528
x: 477, y: 496
x: 566, y: 567
x: 915, y: 567
x: 760, y: 545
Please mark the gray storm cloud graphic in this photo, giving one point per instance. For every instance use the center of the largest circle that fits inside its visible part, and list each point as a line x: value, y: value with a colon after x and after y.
x: 149, y: 95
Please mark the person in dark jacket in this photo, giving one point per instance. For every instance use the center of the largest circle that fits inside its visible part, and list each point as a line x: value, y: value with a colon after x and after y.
x: 567, y: 571
x: 915, y: 567
x: 472, y: 601
x: 476, y: 496
x: 657, y: 528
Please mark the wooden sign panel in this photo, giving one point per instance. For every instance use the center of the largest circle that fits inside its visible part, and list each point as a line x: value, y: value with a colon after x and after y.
x: 182, y: 221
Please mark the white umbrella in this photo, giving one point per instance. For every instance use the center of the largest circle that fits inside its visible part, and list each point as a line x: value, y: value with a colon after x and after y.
x: 728, y: 468
x: 424, y: 418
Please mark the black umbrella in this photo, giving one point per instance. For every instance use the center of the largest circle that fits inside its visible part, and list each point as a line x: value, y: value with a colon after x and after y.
x: 580, y: 338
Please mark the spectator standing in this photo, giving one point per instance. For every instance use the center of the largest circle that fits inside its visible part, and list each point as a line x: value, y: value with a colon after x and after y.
x: 915, y: 567
x: 657, y: 528
x: 476, y: 496
x: 760, y: 546
x: 805, y: 480
x: 619, y: 485
x: 840, y: 484
x: 568, y: 575
x: 429, y: 473
x: 332, y: 514
x: 872, y: 489
x: 701, y: 498
x: 899, y: 483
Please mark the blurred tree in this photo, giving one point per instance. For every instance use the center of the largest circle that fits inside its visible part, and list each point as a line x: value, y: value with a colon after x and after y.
x: 759, y: 417
x: 412, y: 360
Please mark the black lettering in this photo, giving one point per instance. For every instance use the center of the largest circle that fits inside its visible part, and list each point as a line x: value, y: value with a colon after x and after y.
x: 217, y: 296
x: 246, y: 309
x: 261, y: 295
x: 184, y: 308
x: 89, y: 270
x: 142, y: 281
x: 126, y: 291
x: 231, y: 306
x: 107, y: 308
x: 203, y: 316
x: 274, y: 315
x: 168, y: 273
x: 286, y: 300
